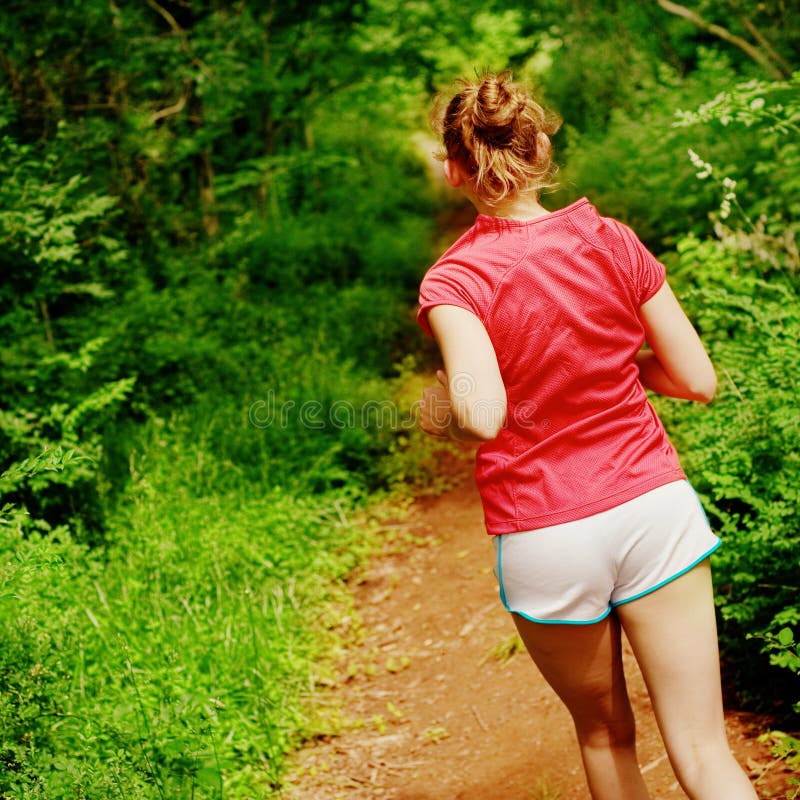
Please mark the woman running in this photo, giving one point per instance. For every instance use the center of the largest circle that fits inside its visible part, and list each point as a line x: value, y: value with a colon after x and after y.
x: 541, y: 317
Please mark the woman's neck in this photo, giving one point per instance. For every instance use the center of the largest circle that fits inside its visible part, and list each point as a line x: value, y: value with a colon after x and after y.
x: 519, y: 207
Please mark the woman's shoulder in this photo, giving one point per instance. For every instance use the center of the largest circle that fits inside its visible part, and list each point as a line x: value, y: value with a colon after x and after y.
x: 582, y: 219
x: 482, y: 248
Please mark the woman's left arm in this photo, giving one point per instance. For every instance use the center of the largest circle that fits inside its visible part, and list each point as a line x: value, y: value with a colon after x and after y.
x: 472, y: 384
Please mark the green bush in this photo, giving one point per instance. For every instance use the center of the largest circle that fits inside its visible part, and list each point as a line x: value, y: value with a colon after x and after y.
x: 636, y: 168
x: 744, y: 293
x: 742, y: 458
x: 181, y: 656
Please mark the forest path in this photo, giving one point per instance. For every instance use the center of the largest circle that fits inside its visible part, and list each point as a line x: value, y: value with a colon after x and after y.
x: 442, y: 716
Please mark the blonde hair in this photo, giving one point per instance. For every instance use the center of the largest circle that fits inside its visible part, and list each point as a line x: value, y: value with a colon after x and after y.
x: 499, y: 135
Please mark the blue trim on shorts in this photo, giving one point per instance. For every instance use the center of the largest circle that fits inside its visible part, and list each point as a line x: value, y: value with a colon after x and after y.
x: 702, y: 508
x: 670, y: 579
x: 528, y: 616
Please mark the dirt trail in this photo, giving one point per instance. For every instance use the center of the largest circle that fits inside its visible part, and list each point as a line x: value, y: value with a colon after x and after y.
x: 444, y: 718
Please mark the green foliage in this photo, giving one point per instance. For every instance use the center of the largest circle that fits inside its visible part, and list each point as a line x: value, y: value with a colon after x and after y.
x: 741, y: 458
x: 54, y: 233
x: 439, y: 40
x: 70, y: 493
x: 741, y: 454
x: 179, y: 660
x: 769, y: 106
x: 197, y: 215
x: 783, y: 650
x: 635, y: 168
x: 607, y: 54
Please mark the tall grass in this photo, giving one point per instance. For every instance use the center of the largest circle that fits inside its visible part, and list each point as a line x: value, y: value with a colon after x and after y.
x: 179, y: 660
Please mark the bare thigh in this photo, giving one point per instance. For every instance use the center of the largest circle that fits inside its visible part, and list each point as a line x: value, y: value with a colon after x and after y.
x: 583, y: 664
x: 674, y: 637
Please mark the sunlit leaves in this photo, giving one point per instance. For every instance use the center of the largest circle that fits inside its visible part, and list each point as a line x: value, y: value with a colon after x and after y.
x: 774, y: 107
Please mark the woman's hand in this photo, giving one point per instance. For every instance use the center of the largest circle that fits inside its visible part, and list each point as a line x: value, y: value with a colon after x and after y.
x: 437, y: 416
x: 435, y: 410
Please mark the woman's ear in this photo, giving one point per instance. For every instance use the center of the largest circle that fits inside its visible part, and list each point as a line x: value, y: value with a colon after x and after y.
x: 452, y: 173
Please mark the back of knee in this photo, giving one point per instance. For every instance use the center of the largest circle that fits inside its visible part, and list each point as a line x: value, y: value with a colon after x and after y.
x: 606, y: 733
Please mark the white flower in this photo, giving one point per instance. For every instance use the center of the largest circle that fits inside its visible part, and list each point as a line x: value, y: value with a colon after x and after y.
x: 694, y: 158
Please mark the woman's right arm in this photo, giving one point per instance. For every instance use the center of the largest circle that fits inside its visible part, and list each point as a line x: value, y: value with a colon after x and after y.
x: 677, y: 364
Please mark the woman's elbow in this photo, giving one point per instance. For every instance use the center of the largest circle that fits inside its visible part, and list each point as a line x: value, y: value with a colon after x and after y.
x: 482, y: 420
x: 484, y: 433
x: 703, y: 391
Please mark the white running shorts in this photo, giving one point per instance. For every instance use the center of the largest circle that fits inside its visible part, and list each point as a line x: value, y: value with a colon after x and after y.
x: 576, y: 572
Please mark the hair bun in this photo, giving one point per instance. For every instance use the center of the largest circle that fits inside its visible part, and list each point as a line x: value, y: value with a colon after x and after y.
x: 497, y: 103
x: 495, y: 110
x: 500, y: 135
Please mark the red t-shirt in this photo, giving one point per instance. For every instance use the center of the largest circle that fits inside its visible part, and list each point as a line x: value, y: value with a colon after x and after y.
x: 559, y: 297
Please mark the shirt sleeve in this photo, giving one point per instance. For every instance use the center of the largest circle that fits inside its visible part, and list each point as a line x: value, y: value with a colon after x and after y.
x: 644, y: 271
x: 446, y: 285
